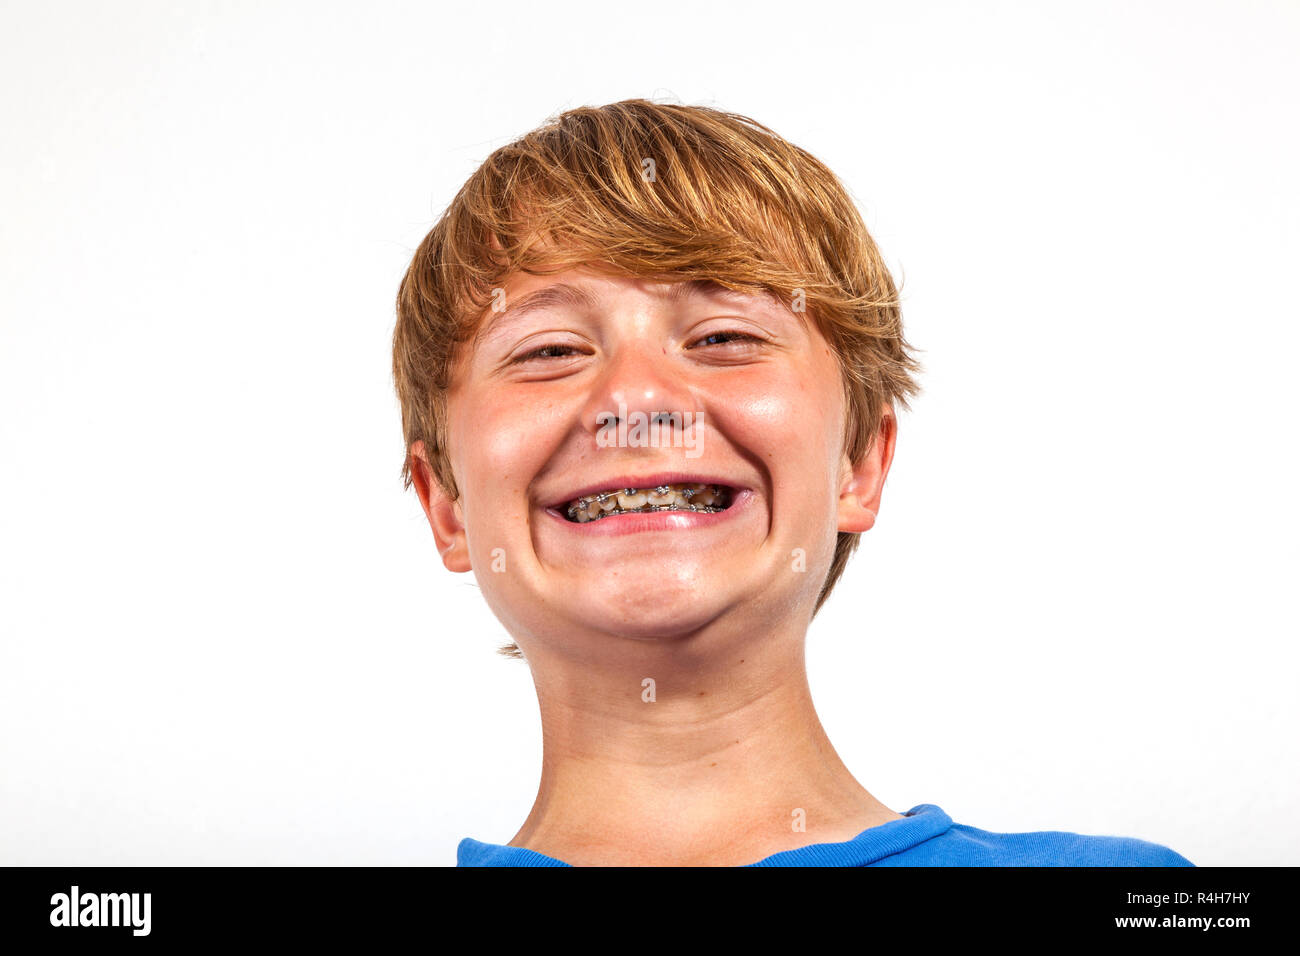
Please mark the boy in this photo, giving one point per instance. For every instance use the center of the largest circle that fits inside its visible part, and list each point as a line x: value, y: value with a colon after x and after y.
x: 648, y: 362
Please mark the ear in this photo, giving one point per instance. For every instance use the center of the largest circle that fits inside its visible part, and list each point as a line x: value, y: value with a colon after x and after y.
x: 862, y: 484
x: 445, y: 516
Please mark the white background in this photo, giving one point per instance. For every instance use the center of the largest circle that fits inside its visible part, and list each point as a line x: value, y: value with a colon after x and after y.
x: 226, y: 634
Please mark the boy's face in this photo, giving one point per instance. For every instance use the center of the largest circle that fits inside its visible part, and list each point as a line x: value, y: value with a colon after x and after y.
x: 530, y: 432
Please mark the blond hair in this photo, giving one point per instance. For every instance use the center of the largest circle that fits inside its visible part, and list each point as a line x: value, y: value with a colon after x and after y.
x: 657, y: 191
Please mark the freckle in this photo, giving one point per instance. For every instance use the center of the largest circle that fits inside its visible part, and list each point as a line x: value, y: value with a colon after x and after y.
x: 714, y: 764
x: 701, y: 693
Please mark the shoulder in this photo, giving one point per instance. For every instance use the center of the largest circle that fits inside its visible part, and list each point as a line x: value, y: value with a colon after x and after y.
x: 962, y: 845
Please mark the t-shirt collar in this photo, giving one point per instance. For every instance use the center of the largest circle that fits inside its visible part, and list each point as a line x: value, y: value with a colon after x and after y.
x: 924, y: 821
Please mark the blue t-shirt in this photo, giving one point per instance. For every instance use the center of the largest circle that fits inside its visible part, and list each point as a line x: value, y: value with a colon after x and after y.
x: 925, y: 836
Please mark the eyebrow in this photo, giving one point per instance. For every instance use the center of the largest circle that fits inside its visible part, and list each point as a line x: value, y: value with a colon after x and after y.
x: 562, y: 294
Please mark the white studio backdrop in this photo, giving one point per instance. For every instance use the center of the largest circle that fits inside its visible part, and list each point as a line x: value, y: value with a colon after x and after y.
x: 225, y: 635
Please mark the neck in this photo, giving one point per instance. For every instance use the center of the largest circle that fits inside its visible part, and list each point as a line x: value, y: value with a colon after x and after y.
x: 721, y: 761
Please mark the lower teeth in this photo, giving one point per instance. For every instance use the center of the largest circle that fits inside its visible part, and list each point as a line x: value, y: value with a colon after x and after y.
x: 647, y: 509
x: 713, y: 498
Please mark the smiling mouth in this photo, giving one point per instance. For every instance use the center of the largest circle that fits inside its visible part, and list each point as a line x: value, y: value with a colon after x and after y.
x: 708, y: 498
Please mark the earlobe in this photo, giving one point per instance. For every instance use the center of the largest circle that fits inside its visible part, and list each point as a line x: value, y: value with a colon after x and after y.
x: 446, y: 517
x: 855, y: 515
x: 863, y: 483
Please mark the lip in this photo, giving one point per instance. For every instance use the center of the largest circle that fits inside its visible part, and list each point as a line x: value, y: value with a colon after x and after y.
x: 635, y: 522
x: 648, y: 481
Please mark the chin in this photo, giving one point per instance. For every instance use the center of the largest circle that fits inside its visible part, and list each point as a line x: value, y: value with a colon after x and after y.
x: 658, y: 616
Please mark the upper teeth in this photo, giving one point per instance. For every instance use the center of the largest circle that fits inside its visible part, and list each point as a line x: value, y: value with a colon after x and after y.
x: 681, y: 497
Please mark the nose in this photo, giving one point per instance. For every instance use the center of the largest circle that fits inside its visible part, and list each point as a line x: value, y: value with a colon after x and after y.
x: 640, y: 383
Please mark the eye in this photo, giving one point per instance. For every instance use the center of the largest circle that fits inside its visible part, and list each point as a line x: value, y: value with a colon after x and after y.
x: 557, y: 350
x: 729, y: 336
x: 546, y: 351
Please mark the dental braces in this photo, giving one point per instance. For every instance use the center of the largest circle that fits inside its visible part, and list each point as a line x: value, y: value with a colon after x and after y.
x: 582, y: 503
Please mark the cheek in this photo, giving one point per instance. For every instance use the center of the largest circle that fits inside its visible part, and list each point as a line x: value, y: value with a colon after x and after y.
x: 502, y: 443
x: 786, y: 412
x: 496, y: 444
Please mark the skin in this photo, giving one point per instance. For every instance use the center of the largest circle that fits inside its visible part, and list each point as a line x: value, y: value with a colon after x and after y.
x: 715, y: 769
